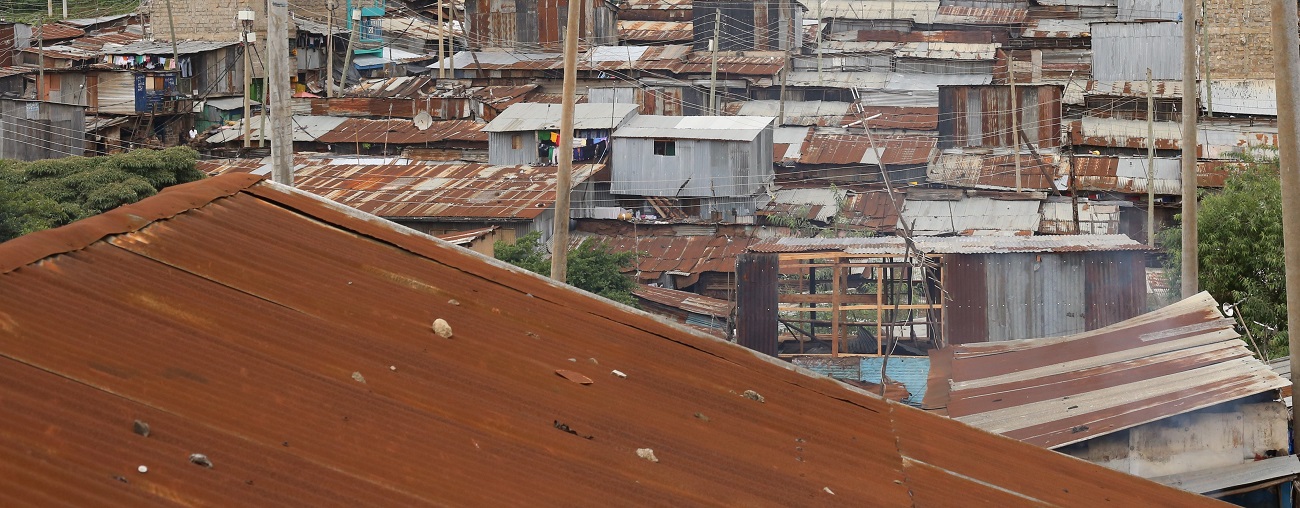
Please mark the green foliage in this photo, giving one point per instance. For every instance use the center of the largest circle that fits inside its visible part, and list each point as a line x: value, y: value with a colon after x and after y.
x: 592, y: 266
x: 50, y: 193
x: 1240, y: 250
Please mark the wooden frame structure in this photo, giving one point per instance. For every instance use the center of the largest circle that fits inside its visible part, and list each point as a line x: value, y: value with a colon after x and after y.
x: 893, y: 285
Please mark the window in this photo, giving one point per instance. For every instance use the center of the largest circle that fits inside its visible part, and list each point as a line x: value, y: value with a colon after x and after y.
x: 516, y: 141
x: 665, y: 147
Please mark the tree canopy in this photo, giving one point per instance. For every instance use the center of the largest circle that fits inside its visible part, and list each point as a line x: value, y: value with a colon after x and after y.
x: 50, y: 193
x: 1240, y: 250
x: 592, y: 266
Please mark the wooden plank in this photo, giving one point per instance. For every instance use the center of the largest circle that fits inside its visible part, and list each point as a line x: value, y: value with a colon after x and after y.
x: 836, y: 288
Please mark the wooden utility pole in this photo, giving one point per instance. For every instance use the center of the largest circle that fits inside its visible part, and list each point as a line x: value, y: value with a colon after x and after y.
x: 442, y: 34
x: 1287, y: 53
x: 329, y: 50
x: 50, y: 8
x: 277, y: 83
x: 352, y: 42
x: 713, y: 68
x: 1015, y: 121
x: 564, y: 173
x: 246, y: 23
x: 171, y: 27
x: 1205, y: 59
x: 1151, y: 161
x: 40, y: 58
x: 65, y: 9
x: 1190, y: 261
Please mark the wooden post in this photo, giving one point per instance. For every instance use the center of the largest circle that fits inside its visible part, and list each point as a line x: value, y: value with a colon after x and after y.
x: 836, y: 298
x: 1287, y: 53
x: 564, y: 173
x: 277, y: 83
x: 442, y: 33
x: 352, y: 42
x: 329, y: 50
x: 1015, y: 119
x: 1190, y: 261
x: 1151, y: 160
x: 40, y: 56
x: 713, y: 68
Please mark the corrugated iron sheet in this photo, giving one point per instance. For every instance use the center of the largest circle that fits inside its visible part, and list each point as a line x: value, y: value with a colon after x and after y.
x: 691, y: 255
x: 465, y: 237
x: 656, y: 31
x: 963, y: 15
x: 405, y: 87
x: 531, y: 116
x: 871, y: 210
x: 1124, y: 51
x: 1163, y: 89
x: 947, y: 51
x: 916, y: 11
x: 1094, y: 218
x: 404, y: 132
x: 685, y: 300
x: 1129, y: 174
x: 328, y: 387
x: 895, y: 246
x: 983, y: 116
x: 972, y: 215
x: 1213, y: 141
x: 1058, y: 29
x: 975, y: 170
x: 96, y: 41
x: 446, y: 191
x: 807, y: 113
x: 856, y: 149
x: 1242, y: 96
x: 57, y: 31
x: 908, y: 118
x: 1053, y: 392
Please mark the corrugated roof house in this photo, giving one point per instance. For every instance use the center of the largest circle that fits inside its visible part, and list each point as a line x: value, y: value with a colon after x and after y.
x: 529, y: 133
x: 287, y: 339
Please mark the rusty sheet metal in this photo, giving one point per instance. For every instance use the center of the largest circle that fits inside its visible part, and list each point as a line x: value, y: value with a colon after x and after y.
x: 465, y: 237
x: 447, y: 191
x: 803, y: 113
x: 392, y: 107
x: 406, y: 87
x: 404, y: 132
x: 1162, y: 89
x: 856, y: 149
x: 895, y: 246
x: 655, y: 31
x: 1094, y: 218
x: 96, y: 41
x: 691, y: 255
x: 983, y: 115
x: 871, y: 210
x: 975, y: 170
x: 1213, y: 142
x: 896, y: 117
x: 57, y: 31
x: 685, y: 300
x: 352, y: 298
x: 1058, y: 391
x: 733, y: 65
x: 961, y: 15
x: 1058, y: 29
x: 947, y: 51
x: 966, y: 36
x: 1129, y: 174
x: 64, y: 52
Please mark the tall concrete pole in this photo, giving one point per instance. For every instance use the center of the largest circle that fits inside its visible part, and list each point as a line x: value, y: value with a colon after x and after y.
x: 442, y: 36
x: 246, y: 38
x: 352, y: 42
x: 277, y: 81
x: 1191, y: 266
x: 1286, y: 45
x: 1151, y: 161
x: 564, y: 173
x: 329, y: 50
x: 713, y: 68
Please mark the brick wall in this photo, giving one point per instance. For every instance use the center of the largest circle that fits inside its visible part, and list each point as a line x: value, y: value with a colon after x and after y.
x: 216, y: 20
x: 1240, y: 43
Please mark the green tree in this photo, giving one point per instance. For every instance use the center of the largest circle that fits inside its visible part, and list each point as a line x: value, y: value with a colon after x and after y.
x: 592, y: 266
x: 50, y: 193
x: 1240, y: 249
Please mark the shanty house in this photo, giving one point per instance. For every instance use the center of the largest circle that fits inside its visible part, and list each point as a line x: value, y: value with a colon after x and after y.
x: 529, y: 133
x: 202, y: 343
x: 707, y: 167
x: 529, y: 24
x: 34, y: 130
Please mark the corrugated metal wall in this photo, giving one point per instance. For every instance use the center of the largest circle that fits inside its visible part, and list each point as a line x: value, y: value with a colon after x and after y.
x: 700, y: 168
x: 501, y: 149
x: 762, y: 25
x: 32, y: 130
x: 115, y: 93
x: 534, y: 24
x: 1124, y: 51
x: 1116, y: 287
x: 756, y: 295
x: 964, y: 318
x: 980, y: 115
x: 1139, y: 10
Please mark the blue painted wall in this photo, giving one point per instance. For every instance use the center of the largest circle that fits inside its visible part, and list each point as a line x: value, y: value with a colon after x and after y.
x: 912, y: 371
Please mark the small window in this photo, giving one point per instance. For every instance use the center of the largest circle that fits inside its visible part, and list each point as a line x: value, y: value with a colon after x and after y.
x: 517, y: 141
x: 665, y: 147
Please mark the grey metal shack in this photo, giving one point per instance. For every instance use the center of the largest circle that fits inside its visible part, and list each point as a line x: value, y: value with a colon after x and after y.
x: 528, y: 133
x: 723, y: 162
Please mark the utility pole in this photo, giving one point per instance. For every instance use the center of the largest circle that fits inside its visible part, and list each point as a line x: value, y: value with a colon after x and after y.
x: 1287, y: 44
x: 329, y: 50
x: 277, y: 83
x: 246, y: 22
x: 713, y: 68
x: 1190, y: 261
x: 1205, y: 59
x: 1151, y: 161
x: 352, y: 42
x: 442, y: 34
x: 819, y: 39
x: 50, y: 8
x: 65, y: 9
x: 564, y: 173
x: 40, y: 58
x: 1015, y: 121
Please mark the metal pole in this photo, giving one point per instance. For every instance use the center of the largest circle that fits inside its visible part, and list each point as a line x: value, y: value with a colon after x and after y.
x: 1191, y: 268
x: 564, y: 173
x: 1015, y: 121
x: 277, y: 83
x: 1151, y: 161
x: 713, y: 72
x: 329, y: 50
x: 1287, y: 46
x: 248, y: 80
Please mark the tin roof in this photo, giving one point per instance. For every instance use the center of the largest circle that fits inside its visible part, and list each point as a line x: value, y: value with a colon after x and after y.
x: 1051, y: 28
x: 685, y: 300
x: 160, y: 47
x: 725, y: 128
x: 856, y: 149
x: 403, y: 132
x: 326, y: 393
x: 655, y: 5
x: 1213, y: 141
x: 444, y: 190
x: 1058, y: 391
x: 1222, y: 478
x: 57, y: 31
x: 1129, y: 174
x: 896, y: 246
x: 531, y: 116
x: 701, y: 63
x: 318, y: 27
x: 971, y: 215
x: 64, y: 52
x: 96, y: 41
x: 659, y: 31
x: 405, y: 87
x: 1242, y: 96
x: 85, y: 22
x: 961, y: 15
x: 466, y: 237
x: 917, y: 11
x: 1095, y: 218
x: 979, y: 169
x: 413, y: 28
x: 823, y: 113
x: 686, y: 255
x: 841, y: 79
x: 947, y: 50
x: 1163, y: 89
x: 305, y: 129
x: 898, y: 117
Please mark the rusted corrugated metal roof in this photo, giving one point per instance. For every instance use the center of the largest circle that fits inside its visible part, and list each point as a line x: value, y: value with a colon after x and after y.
x: 465, y: 237
x: 699, y: 63
x: 1163, y: 89
x: 975, y: 215
x: 288, y: 340
x: 871, y: 210
x: 688, y: 255
x: 856, y: 149
x: 1095, y: 218
x: 1057, y: 391
x: 655, y: 5
x: 97, y: 41
x: 57, y: 31
x: 659, y: 31
x: 1129, y: 174
x: 895, y: 117
x: 404, y: 132
x: 976, y: 170
x: 1215, y: 142
x: 896, y: 246
x: 1058, y: 29
x: 439, y: 191
x: 685, y: 300
x: 406, y: 87
x: 64, y: 52
x: 961, y: 15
